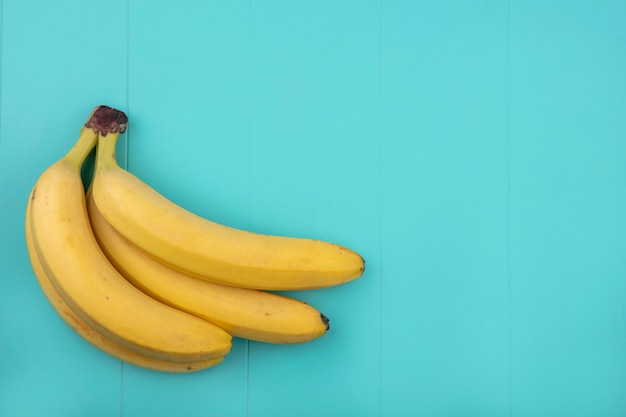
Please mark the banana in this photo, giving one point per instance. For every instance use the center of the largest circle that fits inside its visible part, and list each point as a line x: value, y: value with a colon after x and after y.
x: 91, y: 335
x: 250, y: 314
x: 209, y: 250
x: 86, y: 280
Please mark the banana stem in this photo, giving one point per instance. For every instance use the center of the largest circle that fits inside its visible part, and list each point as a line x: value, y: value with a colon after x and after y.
x: 105, y: 154
x: 81, y: 149
x: 103, y: 120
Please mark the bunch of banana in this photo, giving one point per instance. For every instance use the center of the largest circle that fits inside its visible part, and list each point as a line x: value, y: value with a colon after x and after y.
x: 154, y: 285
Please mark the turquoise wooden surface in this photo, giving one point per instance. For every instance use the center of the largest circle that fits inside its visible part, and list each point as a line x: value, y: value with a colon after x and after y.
x: 473, y: 152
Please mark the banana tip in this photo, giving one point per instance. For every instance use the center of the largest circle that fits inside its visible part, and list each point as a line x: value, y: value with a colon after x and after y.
x: 326, y: 321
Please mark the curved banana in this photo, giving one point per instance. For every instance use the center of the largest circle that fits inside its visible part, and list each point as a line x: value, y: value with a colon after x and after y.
x: 86, y: 280
x: 91, y: 335
x: 249, y: 314
x: 209, y: 250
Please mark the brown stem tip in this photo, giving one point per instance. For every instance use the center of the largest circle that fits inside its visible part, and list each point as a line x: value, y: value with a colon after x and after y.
x: 105, y: 119
x: 325, y: 320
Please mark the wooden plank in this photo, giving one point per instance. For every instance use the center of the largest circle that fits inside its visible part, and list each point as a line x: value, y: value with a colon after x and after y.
x: 188, y: 138
x: 445, y: 328
x: 54, y: 72
x: 568, y: 95
x: 314, y: 172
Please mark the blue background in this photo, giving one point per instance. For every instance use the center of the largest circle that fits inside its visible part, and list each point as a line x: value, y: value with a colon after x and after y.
x: 474, y: 152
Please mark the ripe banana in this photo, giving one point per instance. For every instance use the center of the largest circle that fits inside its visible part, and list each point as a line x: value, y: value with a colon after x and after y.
x: 208, y: 250
x: 250, y: 314
x: 86, y: 280
x: 91, y: 335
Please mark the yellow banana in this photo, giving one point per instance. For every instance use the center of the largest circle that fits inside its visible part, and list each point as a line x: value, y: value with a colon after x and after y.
x: 250, y: 314
x: 91, y: 335
x: 208, y: 250
x: 86, y: 280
